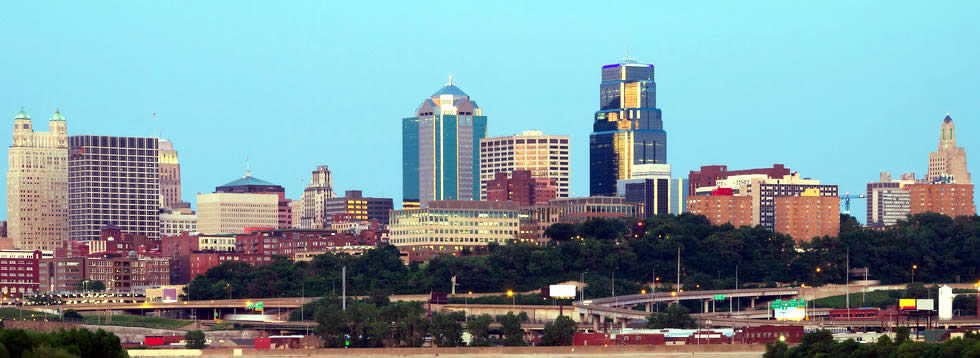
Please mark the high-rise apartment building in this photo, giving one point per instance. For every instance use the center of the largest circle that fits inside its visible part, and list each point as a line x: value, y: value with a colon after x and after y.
x: 546, y: 156
x: 765, y: 191
x: 627, y: 129
x: 113, y: 180
x: 440, y: 148
x: 948, y: 163
x: 37, y: 184
x: 314, y: 199
x: 948, y: 199
x: 709, y: 176
x: 888, y: 200
x: 808, y: 215
x: 522, y: 187
x: 722, y: 207
x: 356, y: 207
x: 170, y: 196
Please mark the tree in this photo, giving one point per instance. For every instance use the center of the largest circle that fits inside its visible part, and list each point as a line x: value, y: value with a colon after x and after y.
x: 195, y: 339
x: 560, y: 232
x: 560, y: 332
x: 446, y: 330
x: 72, y: 314
x: 510, y: 327
x: 479, y: 329
x: 676, y: 316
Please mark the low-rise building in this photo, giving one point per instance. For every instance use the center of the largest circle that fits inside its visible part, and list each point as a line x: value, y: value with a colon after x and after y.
x: 358, y: 207
x: 128, y: 273
x: 521, y: 187
x: 174, y: 222
x: 61, y: 274
x: 452, y: 226
x: 201, y: 262
x: 19, y: 272
x: 536, y: 219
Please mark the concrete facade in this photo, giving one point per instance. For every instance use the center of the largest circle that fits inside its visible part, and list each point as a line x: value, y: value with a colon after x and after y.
x: 37, y: 184
x: 948, y: 163
x: 315, y: 195
x: 546, y: 156
x: 231, y: 213
x: 450, y: 226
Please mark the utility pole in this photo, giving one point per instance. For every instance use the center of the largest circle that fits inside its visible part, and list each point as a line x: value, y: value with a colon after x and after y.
x: 678, y: 274
x: 343, y: 285
x: 847, y: 287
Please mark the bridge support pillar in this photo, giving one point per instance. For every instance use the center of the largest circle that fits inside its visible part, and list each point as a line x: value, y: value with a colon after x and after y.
x: 581, y: 317
x: 623, y: 322
x: 595, y: 322
x: 752, y: 303
x: 705, y: 309
x: 649, y: 307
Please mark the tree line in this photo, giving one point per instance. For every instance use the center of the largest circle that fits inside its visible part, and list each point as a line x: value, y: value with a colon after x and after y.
x: 822, y: 344
x: 377, y: 322
x: 77, y: 342
x: 623, y: 256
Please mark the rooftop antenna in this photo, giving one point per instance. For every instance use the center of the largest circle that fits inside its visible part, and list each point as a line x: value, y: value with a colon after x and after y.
x: 156, y: 127
x: 627, y: 54
x: 450, y: 79
x: 248, y: 168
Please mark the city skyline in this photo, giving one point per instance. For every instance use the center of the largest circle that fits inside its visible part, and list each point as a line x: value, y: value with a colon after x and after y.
x: 729, y: 109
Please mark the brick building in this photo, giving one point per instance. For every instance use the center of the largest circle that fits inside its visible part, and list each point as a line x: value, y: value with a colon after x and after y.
x: 522, y: 188
x: 128, y: 273
x: 722, y: 207
x: 807, y: 215
x: 19, y: 272
x: 947, y: 199
x: 201, y: 262
x: 709, y: 174
x: 61, y: 274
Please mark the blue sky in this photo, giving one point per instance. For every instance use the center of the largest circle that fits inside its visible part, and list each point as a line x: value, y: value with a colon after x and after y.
x: 835, y: 90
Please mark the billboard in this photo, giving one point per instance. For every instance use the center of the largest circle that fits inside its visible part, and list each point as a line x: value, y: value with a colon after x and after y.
x: 924, y: 304
x: 562, y: 291
x: 791, y: 310
x: 906, y: 304
x: 169, y: 295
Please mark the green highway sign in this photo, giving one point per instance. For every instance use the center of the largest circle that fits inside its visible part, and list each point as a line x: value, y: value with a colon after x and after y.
x: 780, y: 304
x: 719, y: 297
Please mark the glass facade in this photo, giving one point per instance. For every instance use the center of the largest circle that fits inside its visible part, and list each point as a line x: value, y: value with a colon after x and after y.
x: 627, y: 129
x: 440, y: 158
x: 410, y: 162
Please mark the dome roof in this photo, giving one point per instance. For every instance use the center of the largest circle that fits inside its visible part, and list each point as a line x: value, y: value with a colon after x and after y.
x: 22, y: 114
x: 57, y: 116
x: 450, y: 89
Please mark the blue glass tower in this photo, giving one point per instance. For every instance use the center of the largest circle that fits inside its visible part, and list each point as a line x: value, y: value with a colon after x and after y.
x: 440, y: 148
x: 628, y: 129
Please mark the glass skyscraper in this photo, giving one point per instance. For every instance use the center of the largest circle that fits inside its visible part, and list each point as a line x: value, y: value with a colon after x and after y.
x: 440, y: 149
x: 628, y: 129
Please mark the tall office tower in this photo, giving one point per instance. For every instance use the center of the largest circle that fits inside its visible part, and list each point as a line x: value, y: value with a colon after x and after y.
x: 888, y: 200
x: 314, y: 199
x: 169, y: 176
x: 628, y: 129
x: 113, y: 180
x: 37, y: 184
x: 948, y: 163
x: 546, y: 156
x: 440, y: 148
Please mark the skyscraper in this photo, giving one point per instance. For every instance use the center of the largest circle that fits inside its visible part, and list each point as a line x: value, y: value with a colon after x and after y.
x: 628, y: 129
x: 113, y: 180
x: 169, y: 176
x: 948, y: 162
x: 440, y: 148
x: 314, y: 199
x: 37, y: 184
x: 546, y: 156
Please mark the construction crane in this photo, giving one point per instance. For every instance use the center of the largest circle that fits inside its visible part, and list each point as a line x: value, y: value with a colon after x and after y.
x: 847, y: 201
